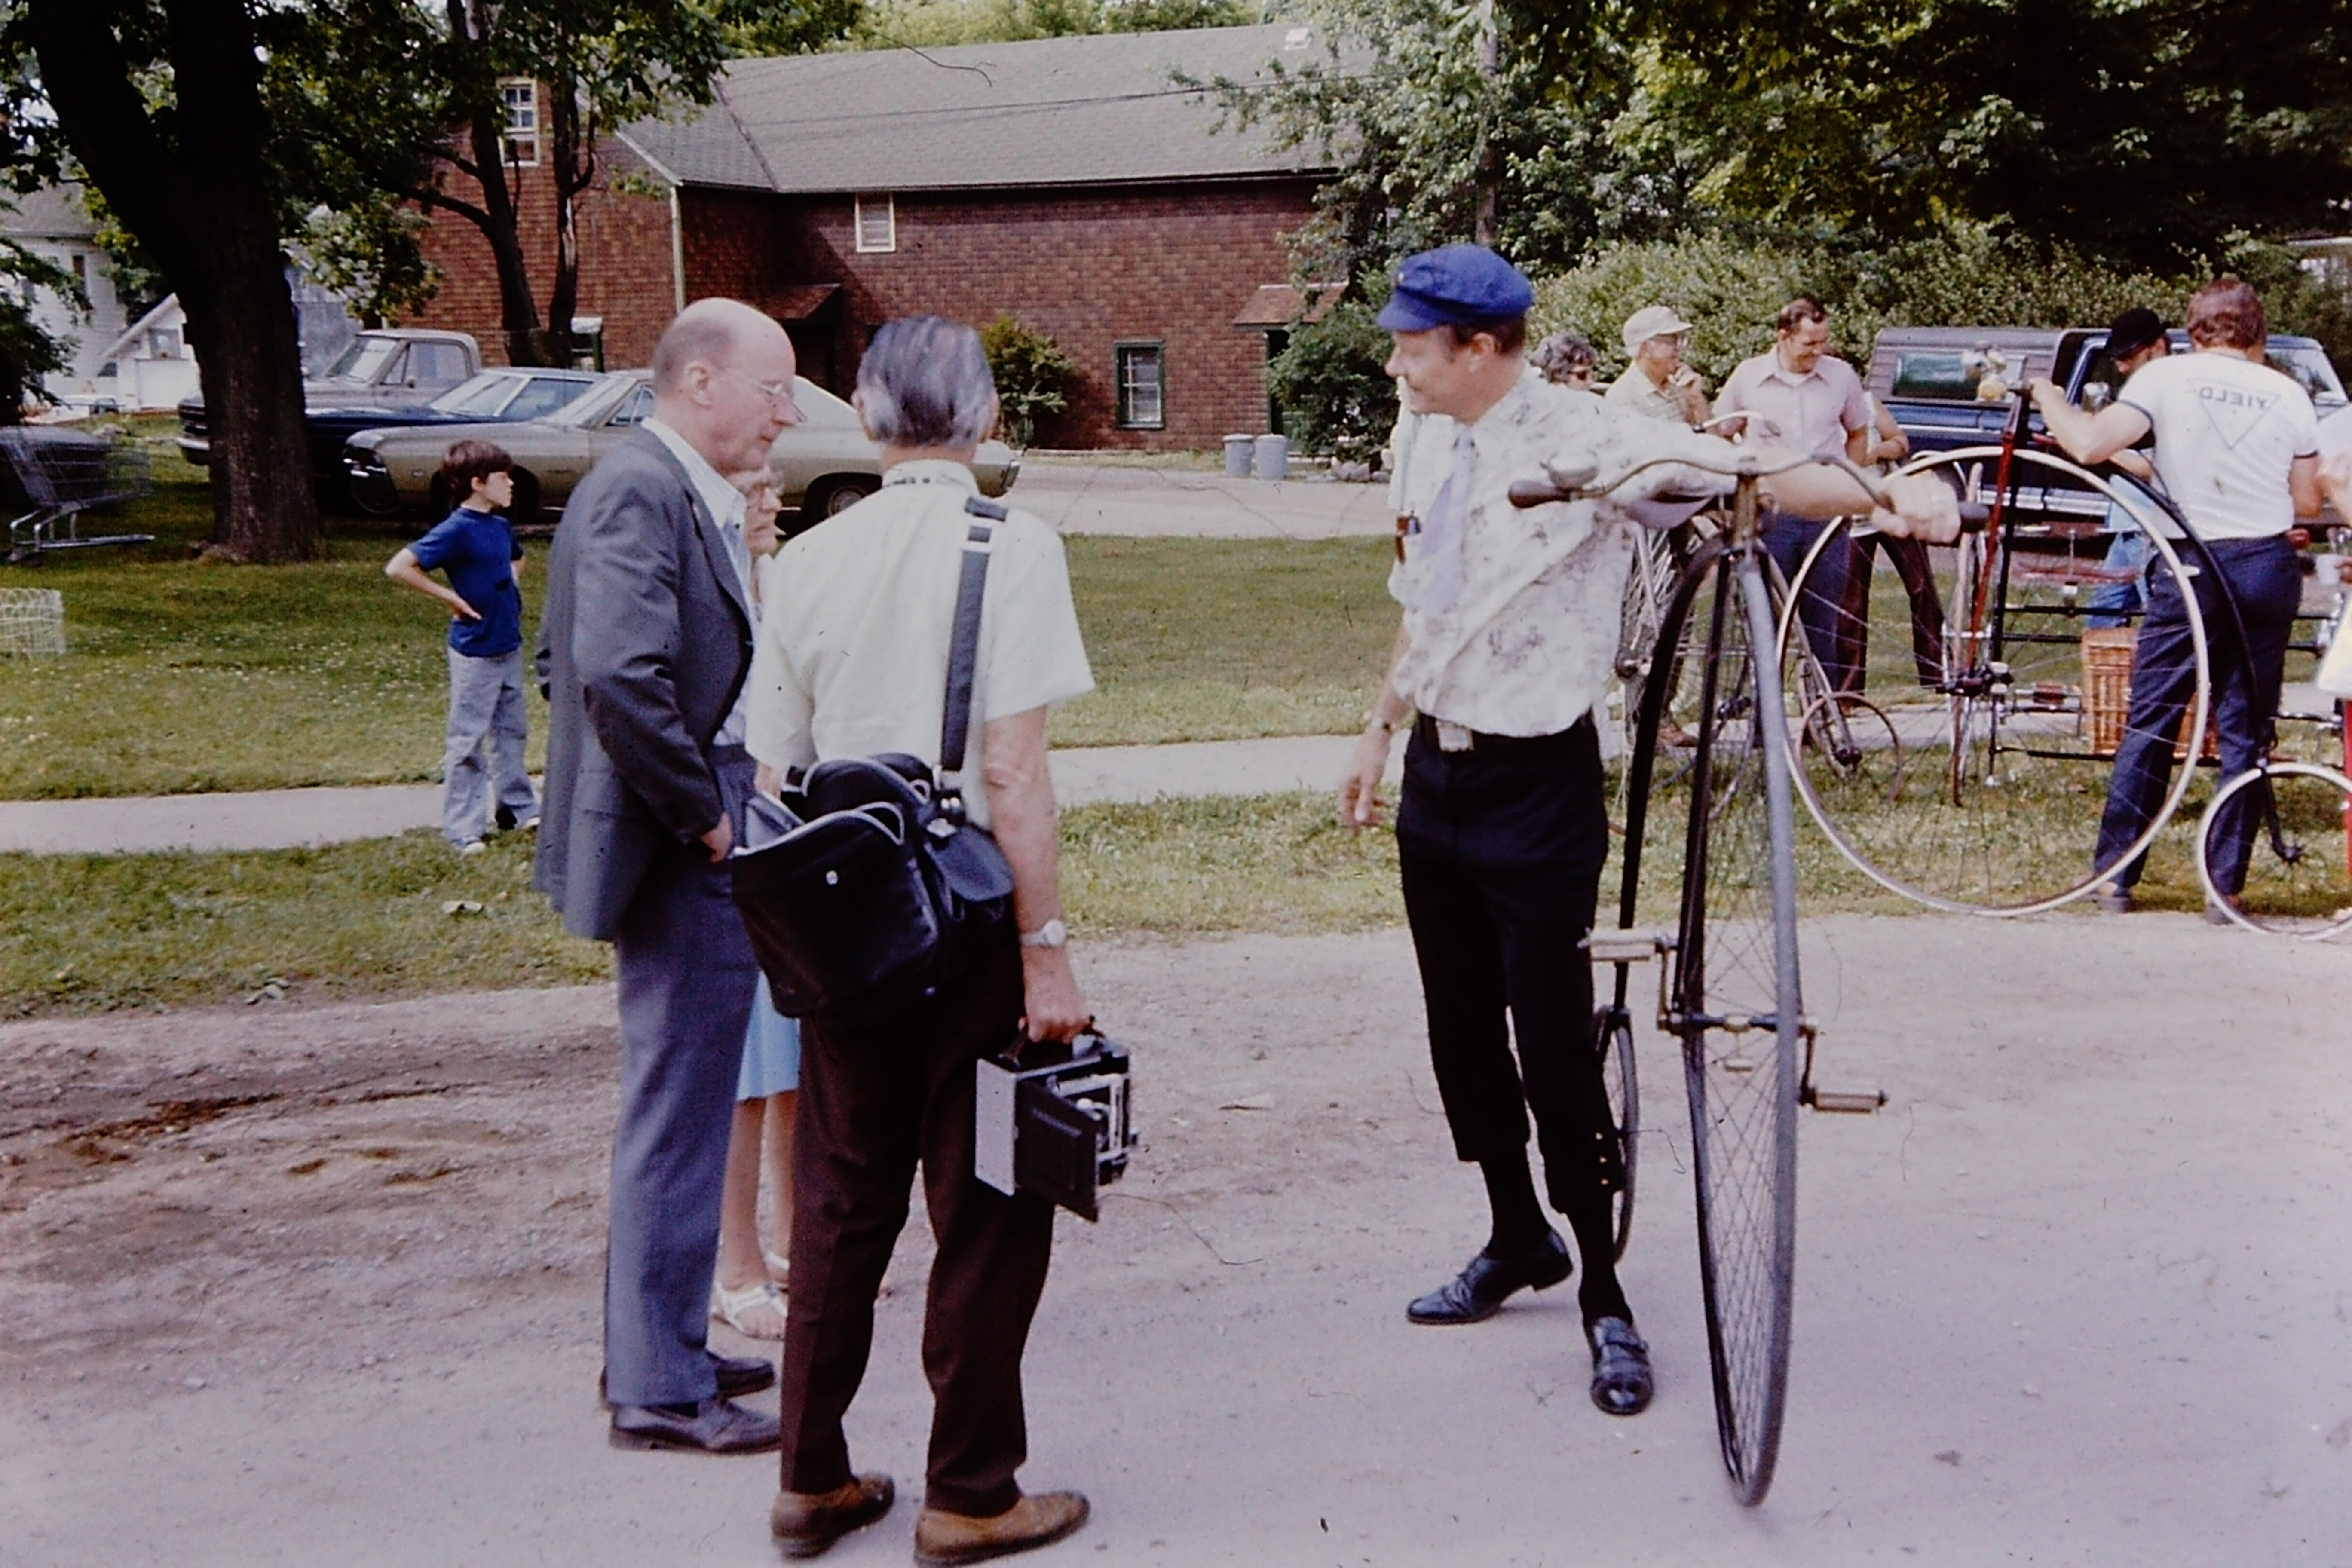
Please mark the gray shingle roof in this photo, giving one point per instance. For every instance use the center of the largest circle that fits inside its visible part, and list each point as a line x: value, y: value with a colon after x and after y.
x: 1099, y: 108
x: 51, y: 212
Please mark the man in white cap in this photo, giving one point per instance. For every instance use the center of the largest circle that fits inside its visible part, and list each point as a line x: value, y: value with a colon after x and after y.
x: 1657, y: 384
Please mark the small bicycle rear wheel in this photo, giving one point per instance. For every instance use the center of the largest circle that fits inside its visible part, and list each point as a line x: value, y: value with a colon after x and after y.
x: 2297, y: 880
x: 1735, y: 1003
x: 1612, y: 1041
x: 2006, y: 712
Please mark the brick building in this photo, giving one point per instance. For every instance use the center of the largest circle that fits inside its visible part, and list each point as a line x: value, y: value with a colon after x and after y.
x: 1067, y: 181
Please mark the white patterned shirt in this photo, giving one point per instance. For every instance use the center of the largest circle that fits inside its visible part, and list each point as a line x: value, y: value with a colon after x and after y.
x: 1529, y: 641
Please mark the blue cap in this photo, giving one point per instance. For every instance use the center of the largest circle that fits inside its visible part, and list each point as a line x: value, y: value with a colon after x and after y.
x: 1455, y: 285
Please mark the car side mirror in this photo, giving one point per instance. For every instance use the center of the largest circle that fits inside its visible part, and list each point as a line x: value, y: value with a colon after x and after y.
x: 2096, y: 395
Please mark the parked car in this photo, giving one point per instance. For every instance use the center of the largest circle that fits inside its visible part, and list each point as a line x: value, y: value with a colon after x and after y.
x: 823, y: 465
x: 1935, y: 382
x: 505, y: 397
x: 400, y: 367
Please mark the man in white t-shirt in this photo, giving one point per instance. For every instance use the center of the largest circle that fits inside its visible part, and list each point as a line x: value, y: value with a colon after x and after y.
x: 852, y: 661
x: 2237, y: 446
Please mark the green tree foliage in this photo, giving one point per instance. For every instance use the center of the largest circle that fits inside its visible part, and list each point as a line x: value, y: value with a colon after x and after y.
x: 2145, y: 130
x: 27, y: 351
x: 1335, y: 398
x: 1031, y: 372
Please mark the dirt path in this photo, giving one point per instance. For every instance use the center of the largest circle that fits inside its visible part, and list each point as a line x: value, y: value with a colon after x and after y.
x: 309, y: 1285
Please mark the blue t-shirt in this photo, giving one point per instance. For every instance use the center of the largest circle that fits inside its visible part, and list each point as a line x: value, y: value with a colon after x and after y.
x: 477, y: 549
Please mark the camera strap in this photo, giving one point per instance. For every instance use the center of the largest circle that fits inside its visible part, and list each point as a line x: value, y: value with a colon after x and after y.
x: 963, y: 646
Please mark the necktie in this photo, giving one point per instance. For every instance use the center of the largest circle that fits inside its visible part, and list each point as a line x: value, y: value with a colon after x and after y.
x: 1442, y: 529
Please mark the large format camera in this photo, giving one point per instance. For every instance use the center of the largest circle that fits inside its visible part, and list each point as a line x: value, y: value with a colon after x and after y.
x: 1054, y: 1119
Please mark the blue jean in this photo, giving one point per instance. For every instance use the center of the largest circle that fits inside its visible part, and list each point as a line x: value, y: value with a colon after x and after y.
x: 2113, y: 603
x: 1820, y: 609
x: 2267, y: 579
x: 484, y: 749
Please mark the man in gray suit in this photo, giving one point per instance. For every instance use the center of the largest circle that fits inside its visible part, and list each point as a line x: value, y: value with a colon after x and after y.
x: 643, y: 653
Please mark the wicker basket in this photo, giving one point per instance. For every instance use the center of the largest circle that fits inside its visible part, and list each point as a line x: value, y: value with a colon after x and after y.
x: 32, y: 621
x: 2107, y: 694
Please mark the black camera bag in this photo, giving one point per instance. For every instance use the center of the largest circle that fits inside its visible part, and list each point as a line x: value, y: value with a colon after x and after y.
x: 865, y: 889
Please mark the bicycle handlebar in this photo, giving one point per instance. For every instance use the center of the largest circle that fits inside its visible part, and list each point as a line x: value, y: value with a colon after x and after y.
x: 1576, y: 479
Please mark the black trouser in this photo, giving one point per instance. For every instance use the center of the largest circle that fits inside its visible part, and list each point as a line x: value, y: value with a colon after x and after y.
x: 874, y: 1102
x: 1501, y: 848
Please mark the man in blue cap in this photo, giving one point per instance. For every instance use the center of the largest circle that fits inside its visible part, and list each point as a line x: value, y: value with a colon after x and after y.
x: 1508, y: 640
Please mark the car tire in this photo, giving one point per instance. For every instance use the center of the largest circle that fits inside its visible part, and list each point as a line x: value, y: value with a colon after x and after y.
x: 830, y: 497
x: 524, y: 509
x: 378, y: 502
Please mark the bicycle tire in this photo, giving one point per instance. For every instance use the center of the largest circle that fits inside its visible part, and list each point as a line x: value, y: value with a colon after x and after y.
x: 1736, y: 1006
x: 1612, y: 1041
x: 2298, y: 880
x: 2007, y: 723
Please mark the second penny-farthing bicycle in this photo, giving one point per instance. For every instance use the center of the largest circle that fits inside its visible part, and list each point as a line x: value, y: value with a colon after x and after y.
x: 1729, y: 992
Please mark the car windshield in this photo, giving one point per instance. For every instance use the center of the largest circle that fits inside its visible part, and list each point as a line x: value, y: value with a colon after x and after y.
x: 363, y: 359
x: 2311, y: 371
x: 590, y: 407
x: 482, y: 396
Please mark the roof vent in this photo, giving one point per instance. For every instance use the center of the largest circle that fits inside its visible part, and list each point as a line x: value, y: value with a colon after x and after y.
x: 1297, y: 38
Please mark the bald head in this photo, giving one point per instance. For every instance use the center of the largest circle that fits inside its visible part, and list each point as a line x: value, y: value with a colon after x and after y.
x: 723, y: 380
x: 715, y: 333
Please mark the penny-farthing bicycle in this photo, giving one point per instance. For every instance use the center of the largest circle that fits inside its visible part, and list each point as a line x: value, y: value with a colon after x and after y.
x: 1729, y: 992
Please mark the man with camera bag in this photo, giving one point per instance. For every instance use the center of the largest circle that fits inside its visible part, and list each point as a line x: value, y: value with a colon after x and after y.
x: 853, y: 661
x: 642, y: 654
x: 1508, y: 638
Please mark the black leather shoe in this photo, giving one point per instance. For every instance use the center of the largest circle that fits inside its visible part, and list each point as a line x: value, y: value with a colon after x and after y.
x: 1477, y: 1293
x: 807, y: 1523
x: 1622, y: 1385
x: 737, y: 1375
x: 713, y: 1426
x: 743, y: 1374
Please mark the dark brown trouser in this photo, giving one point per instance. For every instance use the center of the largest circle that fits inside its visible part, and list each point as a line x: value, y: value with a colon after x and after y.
x: 873, y: 1103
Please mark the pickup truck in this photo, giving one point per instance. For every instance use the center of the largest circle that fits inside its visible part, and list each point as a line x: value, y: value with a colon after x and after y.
x: 395, y: 367
x: 1948, y: 387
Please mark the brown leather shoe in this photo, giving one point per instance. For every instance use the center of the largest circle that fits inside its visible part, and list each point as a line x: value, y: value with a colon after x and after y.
x: 944, y: 1538
x: 807, y: 1523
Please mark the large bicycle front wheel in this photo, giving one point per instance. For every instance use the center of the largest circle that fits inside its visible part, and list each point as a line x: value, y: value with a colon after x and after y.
x: 1993, y: 707
x: 2291, y: 819
x: 1735, y: 1006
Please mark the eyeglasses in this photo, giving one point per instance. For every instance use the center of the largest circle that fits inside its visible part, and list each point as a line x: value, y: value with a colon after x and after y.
x: 779, y: 392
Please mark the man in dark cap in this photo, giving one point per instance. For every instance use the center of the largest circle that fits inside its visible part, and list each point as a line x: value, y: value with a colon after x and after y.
x: 1508, y: 640
x: 2134, y: 339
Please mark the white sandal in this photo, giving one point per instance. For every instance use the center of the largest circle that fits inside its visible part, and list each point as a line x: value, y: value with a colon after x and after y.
x: 731, y: 1307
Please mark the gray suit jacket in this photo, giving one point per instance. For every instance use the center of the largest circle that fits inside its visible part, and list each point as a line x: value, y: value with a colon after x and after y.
x: 643, y: 647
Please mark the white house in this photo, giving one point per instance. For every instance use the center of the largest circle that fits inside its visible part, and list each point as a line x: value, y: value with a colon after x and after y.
x: 51, y: 224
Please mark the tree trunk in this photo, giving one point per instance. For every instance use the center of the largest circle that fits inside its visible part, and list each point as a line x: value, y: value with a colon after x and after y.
x: 486, y: 133
x: 201, y: 202
x: 573, y: 161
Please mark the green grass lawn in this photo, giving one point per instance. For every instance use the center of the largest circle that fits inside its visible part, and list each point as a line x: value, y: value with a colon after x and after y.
x: 87, y: 933
x: 184, y: 675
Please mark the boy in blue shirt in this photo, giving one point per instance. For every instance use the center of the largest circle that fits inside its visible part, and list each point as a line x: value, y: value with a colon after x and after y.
x: 476, y: 548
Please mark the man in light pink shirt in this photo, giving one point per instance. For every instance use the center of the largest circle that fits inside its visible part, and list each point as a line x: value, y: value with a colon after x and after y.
x: 1797, y: 397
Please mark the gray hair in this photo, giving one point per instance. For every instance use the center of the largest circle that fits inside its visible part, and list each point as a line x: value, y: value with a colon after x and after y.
x: 924, y: 381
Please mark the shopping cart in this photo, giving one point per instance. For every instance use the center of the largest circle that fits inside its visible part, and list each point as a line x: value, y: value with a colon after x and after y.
x: 59, y: 475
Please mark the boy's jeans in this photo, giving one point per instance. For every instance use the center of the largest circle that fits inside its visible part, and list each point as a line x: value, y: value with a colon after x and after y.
x: 486, y: 729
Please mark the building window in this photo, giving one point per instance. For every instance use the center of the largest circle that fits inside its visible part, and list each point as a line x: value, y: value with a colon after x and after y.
x: 1142, y: 386
x: 521, y: 96
x: 877, y: 224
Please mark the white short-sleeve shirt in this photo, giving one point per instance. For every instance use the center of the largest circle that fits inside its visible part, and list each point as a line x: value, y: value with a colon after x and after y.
x: 858, y: 614
x: 2228, y: 431
x: 1813, y: 413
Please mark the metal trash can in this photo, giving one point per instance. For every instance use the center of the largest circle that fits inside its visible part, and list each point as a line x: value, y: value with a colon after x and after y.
x: 1272, y: 457
x: 1238, y: 449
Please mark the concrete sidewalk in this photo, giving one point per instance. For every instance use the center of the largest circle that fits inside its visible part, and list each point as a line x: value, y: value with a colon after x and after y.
x: 298, y: 819
x: 1085, y: 498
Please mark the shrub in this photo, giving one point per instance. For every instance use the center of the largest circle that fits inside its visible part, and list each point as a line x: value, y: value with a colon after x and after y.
x: 1031, y: 370
x: 1335, y: 398
x: 1729, y: 290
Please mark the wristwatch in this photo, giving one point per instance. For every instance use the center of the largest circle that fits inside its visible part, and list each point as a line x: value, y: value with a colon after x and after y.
x: 1053, y: 934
